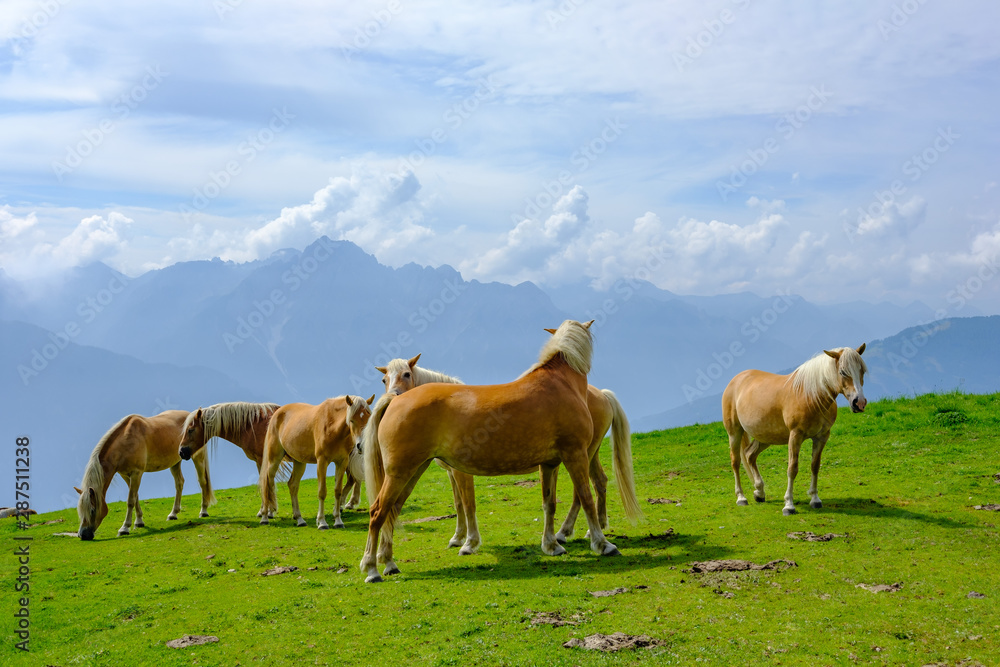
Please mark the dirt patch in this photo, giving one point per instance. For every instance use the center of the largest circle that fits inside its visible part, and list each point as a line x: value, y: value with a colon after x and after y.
x: 673, y: 475
x: 526, y: 483
x: 725, y: 594
x: 974, y: 595
x: 431, y: 518
x: 988, y: 508
x: 47, y: 523
x: 734, y: 565
x: 810, y: 536
x: 191, y: 640
x: 283, y: 569
x: 882, y: 588
x: 616, y: 642
x: 662, y: 501
x: 65, y: 535
x: 607, y: 594
x: 554, y: 618
x: 652, y: 537
x: 996, y: 477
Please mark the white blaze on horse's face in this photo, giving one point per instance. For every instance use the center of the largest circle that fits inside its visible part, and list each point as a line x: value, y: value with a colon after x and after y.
x: 399, y: 378
x: 851, y: 370
x: 357, y: 422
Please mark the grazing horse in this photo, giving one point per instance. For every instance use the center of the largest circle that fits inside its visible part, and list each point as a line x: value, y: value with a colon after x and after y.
x: 540, y: 419
x: 401, y: 375
x: 133, y: 446
x: 243, y: 424
x: 760, y: 409
x: 321, y: 434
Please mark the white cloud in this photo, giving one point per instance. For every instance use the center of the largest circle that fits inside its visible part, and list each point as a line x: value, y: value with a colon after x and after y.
x: 95, y: 238
x: 12, y: 226
x: 894, y: 218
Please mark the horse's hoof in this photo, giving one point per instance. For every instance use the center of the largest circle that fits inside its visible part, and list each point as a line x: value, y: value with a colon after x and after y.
x: 373, y: 579
x: 816, y: 504
x: 300, y: 523
x: 612, y: 552
x: 789, y: 511
x: 742, y: 502
x: 122, y: 533
x: 467, y: 551
x: 338, y: 524
x: 455, y: 543
x: 263, y: 521
x: 391, y: 570
x: 759, y: 499
x: 203, y: 515
x: 172, y: 517
x: 323, y: 527
x: 560, y: 538
x: 140, y: 524
x: 557, y: 550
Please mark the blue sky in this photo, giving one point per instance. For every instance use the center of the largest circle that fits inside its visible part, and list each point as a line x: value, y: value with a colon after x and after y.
x: 838, y: 150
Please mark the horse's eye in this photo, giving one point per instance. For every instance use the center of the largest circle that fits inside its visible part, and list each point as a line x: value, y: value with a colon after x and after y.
x: 383, y: 380
x: 844, y: 373
x: 406, y: 375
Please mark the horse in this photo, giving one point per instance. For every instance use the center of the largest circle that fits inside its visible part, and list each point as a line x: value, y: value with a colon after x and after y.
x: 243, y: 424
x: 321, y: 434
x: 540, y: 420
x: 133, y: 446
x: 761, y: 409
x: 401, y: 375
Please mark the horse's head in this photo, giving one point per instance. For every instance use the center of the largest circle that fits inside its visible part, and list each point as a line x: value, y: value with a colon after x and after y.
x: 851, y: 370
x: 358, y: 414
x: 399, y: 375
x: 91, y: 509
x: 192, y: 435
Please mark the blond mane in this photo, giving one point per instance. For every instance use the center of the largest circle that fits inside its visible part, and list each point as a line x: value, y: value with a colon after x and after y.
x: 236, y: 417
x: 819, y: 376
x: 93, y: 473
x: 574, y: 341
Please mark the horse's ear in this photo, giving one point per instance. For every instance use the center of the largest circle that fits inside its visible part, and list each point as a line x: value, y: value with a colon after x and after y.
x: 861, y: 350
x: 833, y: 353
x: 551, y: 331
x: 347, y: 397
x: 78, y: 490
x: 587, y: 325
x: 197, y: 413
x: 369, y: 401
x: 413, y: 362
x: 381, y: 369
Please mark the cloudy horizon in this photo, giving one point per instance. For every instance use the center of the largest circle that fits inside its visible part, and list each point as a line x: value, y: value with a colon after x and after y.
x: 841, y: 151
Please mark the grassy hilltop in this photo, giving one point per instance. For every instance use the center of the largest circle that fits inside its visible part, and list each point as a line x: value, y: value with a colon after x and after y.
x: 899, y: 483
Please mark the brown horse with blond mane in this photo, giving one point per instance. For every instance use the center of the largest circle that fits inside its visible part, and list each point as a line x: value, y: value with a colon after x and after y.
x: 133, y: 446
x: 321, y: 434
x: 761, y: 409
x: 401, y: 375
x: 541, y: 419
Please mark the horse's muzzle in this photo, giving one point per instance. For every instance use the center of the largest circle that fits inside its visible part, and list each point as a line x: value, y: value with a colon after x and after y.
x: 858, y: 404
x: 86, y: 534
x: 185, y: 453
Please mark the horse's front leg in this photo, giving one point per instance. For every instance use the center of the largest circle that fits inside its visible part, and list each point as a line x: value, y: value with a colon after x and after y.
x: 577, y: 466
x: 467, y: 490
x: 819, y: 442
x: 204, y: 481
x: 133, y: 500
x: 321, y: 465
x: 298, y: 469
x: 353, y: 485
x: 549, y: 475
x: 795, y: 439
x: 175, y: 470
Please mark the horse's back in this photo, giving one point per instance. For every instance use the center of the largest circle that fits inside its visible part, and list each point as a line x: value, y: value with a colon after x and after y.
x: 753, y: 400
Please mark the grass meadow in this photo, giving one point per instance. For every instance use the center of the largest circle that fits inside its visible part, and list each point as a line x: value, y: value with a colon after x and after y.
x: 899, y: 485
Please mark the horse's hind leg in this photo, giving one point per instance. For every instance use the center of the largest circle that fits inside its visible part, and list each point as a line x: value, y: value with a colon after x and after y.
x: 298, y: 469
x: 467, y: 490
x: 461, y: 526
x: 321, y: 465
x: 819, y: 443
x: 550, y: 475
x: 794, y: 445
x: 736, y: 436
x: 751, y: 453
x: 175, y: 470
x: 577, y: 467
x: 133, y: 499
x: 386, y: 507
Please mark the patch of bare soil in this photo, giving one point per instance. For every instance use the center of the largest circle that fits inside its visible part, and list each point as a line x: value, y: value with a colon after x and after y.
x: 65, y: 535
x: 615, y: 642
x: 673, y: 475
x: 607, y: 594
x: 988, y: 508
x: 810, y: 536
x: 973, y: 595
x: 283, y: 569
x: 526, y: 483
x: 662, y: 501
x: 191, y: 640
x: 882, y: 588
x: 554, y: 618
x: 734, y: 565
x: 996, y: 477
x: 431, y: 518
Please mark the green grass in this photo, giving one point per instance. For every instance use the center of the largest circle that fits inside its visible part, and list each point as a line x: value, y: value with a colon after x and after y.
x: 899, y: 480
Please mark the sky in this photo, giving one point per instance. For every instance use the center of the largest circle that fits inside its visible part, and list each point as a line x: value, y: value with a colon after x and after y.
x: 837, y: 150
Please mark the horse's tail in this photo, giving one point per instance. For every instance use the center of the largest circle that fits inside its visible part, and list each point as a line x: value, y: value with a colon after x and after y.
x: 621, y: 446
x: 272, y: 449
x: 374, y: 473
